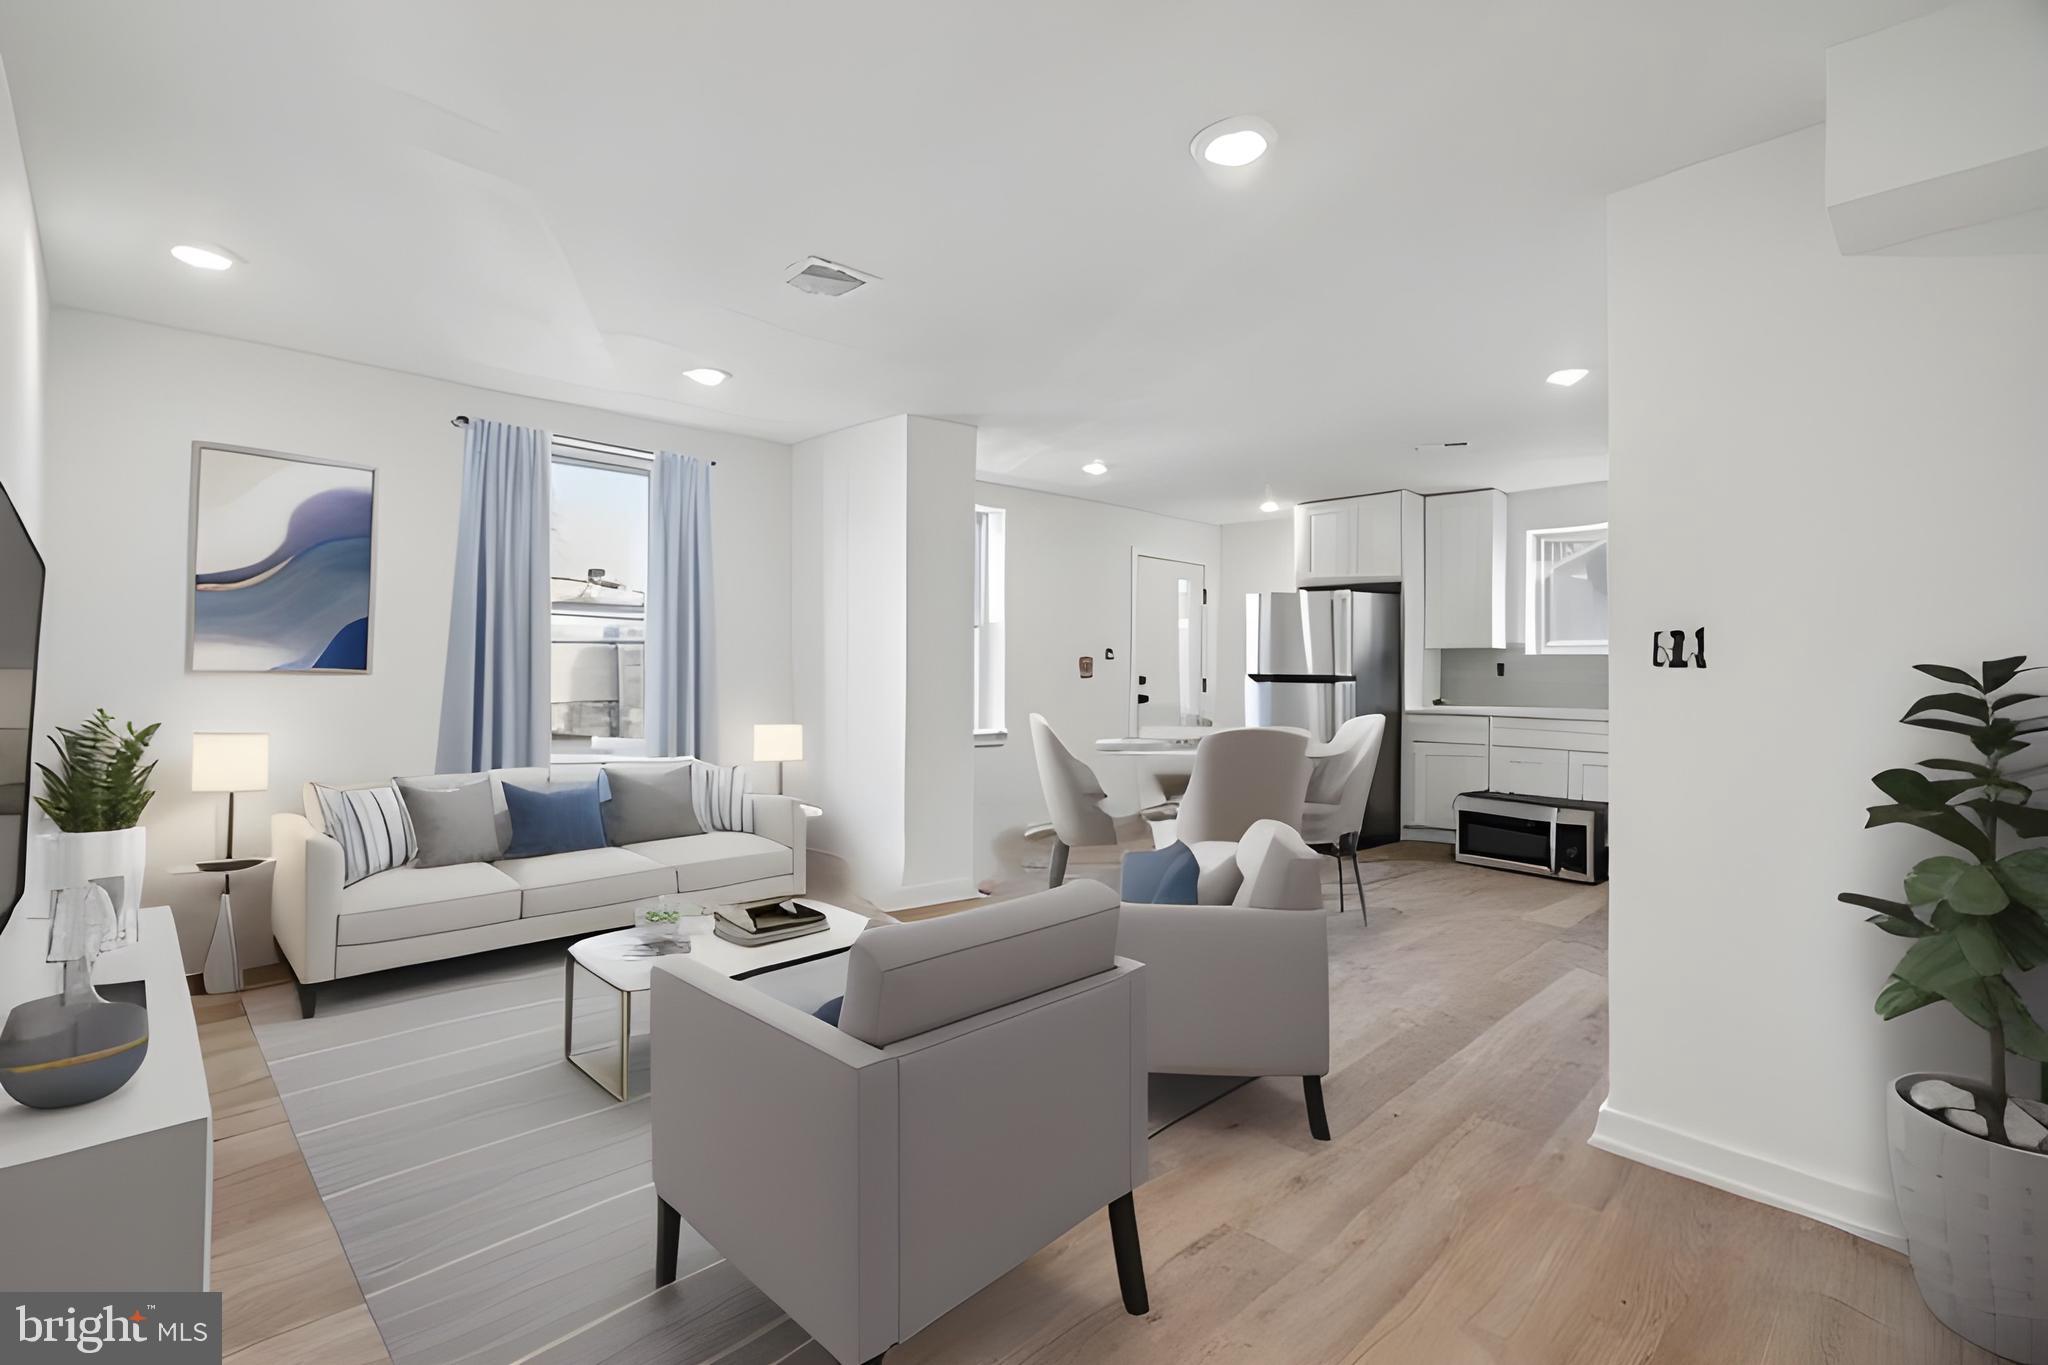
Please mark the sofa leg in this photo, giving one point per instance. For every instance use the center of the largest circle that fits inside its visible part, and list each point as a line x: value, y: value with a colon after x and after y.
x: 306, y: 1000
x: 1130, y: 1262
x: 1318, y: 1121
x: 668, y: 1237
x: 1057, y: 873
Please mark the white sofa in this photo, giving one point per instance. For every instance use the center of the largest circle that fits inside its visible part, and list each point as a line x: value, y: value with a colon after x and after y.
x: 326, y: 931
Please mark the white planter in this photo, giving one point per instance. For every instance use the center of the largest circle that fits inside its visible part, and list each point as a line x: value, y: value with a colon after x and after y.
x: 1976, y: 1216
x: 116, y: 859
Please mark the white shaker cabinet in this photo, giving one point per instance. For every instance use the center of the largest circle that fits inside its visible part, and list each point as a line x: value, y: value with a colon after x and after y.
x: 1586, y: 778
x: 1528, y: 772
x: 1465, y: 542
x: 1438, y: 773
x: 1348, y: 540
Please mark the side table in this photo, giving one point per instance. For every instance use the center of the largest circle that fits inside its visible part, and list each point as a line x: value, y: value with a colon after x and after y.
x: 223, y: 972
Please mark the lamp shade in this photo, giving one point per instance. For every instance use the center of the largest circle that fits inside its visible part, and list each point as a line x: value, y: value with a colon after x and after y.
x: 230, y: 763
x: 778, y: 743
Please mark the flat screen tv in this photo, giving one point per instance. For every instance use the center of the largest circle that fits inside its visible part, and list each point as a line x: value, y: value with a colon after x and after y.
x: 21, y: 623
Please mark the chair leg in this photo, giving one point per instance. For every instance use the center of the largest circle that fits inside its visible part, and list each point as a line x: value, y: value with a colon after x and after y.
x: 1058, y: 871
x: 1130, y: 1263
x: 1340, y: 880
x: 1358, y: 879
x: 668, y: 1237
x: 1318, y: 1121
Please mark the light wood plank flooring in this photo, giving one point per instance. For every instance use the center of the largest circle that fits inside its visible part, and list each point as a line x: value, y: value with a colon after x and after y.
x: 1458, y: 1217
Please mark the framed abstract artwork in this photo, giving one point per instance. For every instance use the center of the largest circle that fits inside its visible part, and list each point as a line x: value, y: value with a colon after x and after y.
x: 282, y: 563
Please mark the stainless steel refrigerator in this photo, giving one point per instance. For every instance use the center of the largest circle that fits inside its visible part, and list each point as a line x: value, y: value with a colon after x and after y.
x: 1320, y: 656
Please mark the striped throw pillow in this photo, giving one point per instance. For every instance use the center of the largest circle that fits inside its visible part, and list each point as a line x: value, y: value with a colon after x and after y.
x: 719, y: 796
x: 371, y: 826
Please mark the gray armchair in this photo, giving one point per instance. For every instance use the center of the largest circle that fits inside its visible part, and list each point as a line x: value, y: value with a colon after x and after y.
x: 983, y: 1093
x: 1080, y: 810
x: 1259, y: 941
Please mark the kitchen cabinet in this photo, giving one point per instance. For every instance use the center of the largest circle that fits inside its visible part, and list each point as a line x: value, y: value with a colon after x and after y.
x: 1528, y: 772
x: 1438, y: 772
x: 1465, y: 557
x: 1586, y: 777
x: 1348, y: 540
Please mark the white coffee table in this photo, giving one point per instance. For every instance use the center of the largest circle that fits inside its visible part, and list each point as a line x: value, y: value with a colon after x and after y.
x: 620, y: 960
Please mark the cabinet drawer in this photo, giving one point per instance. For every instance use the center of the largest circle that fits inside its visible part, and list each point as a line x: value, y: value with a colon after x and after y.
x: 1447, y: 729
x: 1583, y: 736
x: 1528, y: 772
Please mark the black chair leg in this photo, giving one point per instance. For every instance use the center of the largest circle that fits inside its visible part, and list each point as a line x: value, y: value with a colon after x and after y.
x: 668, y: 1238
x: 306, y: 1001
x: 1318, y: 1121
x: 1057, y: 873
x: 1339, y: 855
x: 1130, y: 1262
x: 1358, y: 880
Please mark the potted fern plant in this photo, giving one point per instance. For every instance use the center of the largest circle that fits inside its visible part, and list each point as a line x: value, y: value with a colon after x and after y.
x: 1967, y: 1157
x: 95, y: 797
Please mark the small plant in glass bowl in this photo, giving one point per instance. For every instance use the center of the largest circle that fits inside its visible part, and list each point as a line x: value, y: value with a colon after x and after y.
x: 665, y: 920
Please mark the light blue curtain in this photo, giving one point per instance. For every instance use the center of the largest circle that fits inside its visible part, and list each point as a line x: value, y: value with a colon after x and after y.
x: 679, y: 634
x: 494, y: 698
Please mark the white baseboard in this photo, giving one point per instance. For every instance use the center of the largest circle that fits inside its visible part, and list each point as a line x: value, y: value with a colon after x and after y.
x: 1868, y: 1214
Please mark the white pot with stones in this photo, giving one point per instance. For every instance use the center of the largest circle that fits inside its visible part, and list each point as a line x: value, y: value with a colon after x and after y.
x: 1976, y: 1213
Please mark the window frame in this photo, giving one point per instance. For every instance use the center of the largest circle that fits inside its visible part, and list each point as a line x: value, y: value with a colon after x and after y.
x: 611, y: 462
x: 1535, y: 617
x: 989, y: 626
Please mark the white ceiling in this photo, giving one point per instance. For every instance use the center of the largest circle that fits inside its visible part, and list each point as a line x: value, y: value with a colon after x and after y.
x: 582, y: 200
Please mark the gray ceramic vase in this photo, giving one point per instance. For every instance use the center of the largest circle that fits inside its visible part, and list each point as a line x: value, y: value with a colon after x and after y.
x: 59, y: 1050
x: 1976, y: 1216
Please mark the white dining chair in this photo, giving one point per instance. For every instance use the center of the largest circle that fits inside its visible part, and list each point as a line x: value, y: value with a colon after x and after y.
x: 1334, y: 811
x: 1082, y: 815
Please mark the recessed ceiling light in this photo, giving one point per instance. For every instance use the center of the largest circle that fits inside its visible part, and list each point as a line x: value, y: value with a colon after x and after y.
x: 707, y: 376
x: 1271, y: 503
x: 1095, y: 467
x: 1564, y: 379
x: 1234, y: 142
x: 203, y: 257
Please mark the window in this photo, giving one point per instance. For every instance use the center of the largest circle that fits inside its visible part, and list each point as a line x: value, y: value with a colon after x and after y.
x: 988, y: 626
x: 1567, y: 597
x: 597, y: 555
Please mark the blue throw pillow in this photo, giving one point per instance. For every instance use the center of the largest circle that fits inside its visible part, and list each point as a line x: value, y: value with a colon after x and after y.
x: 1161, y: 876
x: 554, y: 819
x: 829, y: 1011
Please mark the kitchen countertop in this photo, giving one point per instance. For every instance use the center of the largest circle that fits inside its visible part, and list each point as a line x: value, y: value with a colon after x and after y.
x: 1526, y: 712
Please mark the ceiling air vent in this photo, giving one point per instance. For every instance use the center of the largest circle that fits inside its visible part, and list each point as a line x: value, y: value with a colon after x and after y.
x: 816, y: 275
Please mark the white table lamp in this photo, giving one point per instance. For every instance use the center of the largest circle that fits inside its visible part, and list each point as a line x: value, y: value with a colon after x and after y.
x: 230, y: 763
x: 778, y: 744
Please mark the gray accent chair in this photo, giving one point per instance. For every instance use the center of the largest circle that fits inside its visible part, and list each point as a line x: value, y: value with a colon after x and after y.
x: 1338, y: 790
x: 1080, y: 809
x: 1262, y: 945
x: 983, y: 1093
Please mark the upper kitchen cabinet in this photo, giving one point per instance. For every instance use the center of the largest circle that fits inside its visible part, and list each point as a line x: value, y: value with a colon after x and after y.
x: 1465, y: 540
x: 1348, y: 540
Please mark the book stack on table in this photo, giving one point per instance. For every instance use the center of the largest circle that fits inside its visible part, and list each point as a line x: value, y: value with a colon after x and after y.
x: 753, y: 925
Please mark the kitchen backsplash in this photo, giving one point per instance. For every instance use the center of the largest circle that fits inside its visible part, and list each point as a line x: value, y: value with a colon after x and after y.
x: 1471, y: 678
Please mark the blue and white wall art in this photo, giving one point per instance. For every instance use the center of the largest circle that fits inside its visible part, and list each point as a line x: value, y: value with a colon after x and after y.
x: 281, y: 563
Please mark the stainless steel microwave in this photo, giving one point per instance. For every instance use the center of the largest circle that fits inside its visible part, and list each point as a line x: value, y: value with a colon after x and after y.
x: 1535, y: 834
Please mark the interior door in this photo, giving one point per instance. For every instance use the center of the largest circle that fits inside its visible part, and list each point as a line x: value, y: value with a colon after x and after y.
x: 1168, y: 688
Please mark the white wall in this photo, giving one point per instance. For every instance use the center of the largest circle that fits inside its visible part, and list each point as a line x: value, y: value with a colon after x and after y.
x: 126, y: 401
x: 1258, y: 556
x: 882, y: 521
x: 1836, y: 466
x: 1069, y: 578
x: 24, y: 321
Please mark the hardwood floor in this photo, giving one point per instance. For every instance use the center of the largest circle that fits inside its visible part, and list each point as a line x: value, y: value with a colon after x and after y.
x: 1459, y: 1215
x: 288, y: 1296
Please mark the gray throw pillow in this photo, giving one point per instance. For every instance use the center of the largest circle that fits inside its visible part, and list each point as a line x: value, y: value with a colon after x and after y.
x: 453, y: 824
x: 648, y: 803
